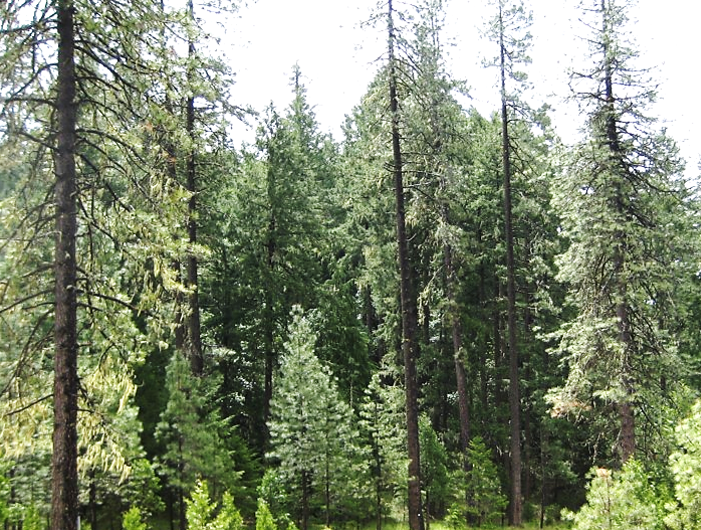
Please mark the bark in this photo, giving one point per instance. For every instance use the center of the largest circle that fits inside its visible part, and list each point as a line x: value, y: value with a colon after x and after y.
x: 626, y: 440
x: 193, y: 319
x: 516, y: 505
x: 64, y: 483
x: 408, y: 300
x: 269, y: 354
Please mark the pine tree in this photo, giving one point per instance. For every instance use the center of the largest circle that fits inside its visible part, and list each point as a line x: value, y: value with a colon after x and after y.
x: 622, y: 203
x: 382, y: 425
x: 311, y: 428
x: 509, y: 30
x: 192, y: 434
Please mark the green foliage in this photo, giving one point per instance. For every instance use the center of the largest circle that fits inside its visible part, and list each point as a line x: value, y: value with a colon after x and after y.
x: 311, y: 429
x: 623, y: 500
x: 382, y: 418
x: 434, y: 469
x: 4, y: 496
x: 201, y: 512
x: 131, y: 520
x: 193, y: 434
x: 264, y: 519
x: 685, y: 465
x: 485, y: 501
x: 625, y: 213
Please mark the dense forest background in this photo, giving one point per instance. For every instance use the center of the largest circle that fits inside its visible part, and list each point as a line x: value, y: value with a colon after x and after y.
x: 440, y: 317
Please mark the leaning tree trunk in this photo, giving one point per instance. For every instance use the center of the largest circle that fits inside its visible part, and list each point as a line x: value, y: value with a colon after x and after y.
x: 408, y: 300
x: 515, y: 507
x: 64, y: 477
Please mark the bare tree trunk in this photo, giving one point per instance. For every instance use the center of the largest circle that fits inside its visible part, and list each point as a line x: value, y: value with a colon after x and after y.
x: 516, y: 505
x: 193, y: 319
x: 408, y: 300
x: 64, y: 478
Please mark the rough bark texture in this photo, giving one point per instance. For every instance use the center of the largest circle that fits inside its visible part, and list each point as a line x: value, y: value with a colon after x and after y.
x: 64, y: 484
x: 408, y: 300
x: 516, y: 505
x: 193, y: 319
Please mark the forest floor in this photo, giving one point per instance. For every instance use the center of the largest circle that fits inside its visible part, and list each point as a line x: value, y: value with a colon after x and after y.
x: 442, y: 525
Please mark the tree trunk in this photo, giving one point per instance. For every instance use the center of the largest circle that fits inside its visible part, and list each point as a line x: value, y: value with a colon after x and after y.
x: 64, y: 478
x: 193, y: 319
x: 269, y: 353
x: 305, y: 500
x: 626, y: 440
x: 408, y: 300
x: 515, y: 507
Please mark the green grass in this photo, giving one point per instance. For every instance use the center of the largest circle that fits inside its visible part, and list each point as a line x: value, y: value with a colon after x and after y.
x: 440, y: 525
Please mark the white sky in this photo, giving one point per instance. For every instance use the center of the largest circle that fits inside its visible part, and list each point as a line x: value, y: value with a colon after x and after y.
x: 336, y: 57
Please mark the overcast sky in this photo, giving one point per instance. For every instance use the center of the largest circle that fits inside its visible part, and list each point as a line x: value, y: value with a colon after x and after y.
x: 337, y: 57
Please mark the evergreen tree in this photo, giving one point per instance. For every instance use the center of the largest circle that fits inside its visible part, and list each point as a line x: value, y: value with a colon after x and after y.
x: 511, y: 18
x: 382, y: 426
x: 311, y: 429
x: 193, y: 436
x: 485, y: 501
x: 622, y: 203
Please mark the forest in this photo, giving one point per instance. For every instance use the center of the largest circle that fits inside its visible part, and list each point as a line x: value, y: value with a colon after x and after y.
x: 440, y: 319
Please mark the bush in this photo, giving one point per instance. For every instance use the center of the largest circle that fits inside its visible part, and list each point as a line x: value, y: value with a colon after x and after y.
x: 131, y: 520
x: 623, y: 500
x: 200, y: 511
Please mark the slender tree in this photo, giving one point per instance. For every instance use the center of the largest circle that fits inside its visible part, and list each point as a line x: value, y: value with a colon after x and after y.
x: 407, y: 295
x: 64, y: 505
x: 509, y: 30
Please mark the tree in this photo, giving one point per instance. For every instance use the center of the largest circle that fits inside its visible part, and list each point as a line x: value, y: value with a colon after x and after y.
x: 84, y: 107
x: 193, y: 436
x: 382, y: 420
x: 311, y: 429
x: 485, y: 501
x: 622, y: 499
x: 409, y: 312
x: 434, y: 472
x: 685, y: 465
x: 622, y: 202
x: 64, y: 465
x: 508, y: 30
x: 202, y: 514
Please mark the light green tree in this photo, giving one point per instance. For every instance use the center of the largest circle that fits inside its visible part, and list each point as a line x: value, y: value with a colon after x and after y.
x: 685, y: 465
x: 203, y: 514
x: 264, y: 519
x: 311, y: 430
x: 485, y: 500
x: 623, y: 499
x: 382, y: 426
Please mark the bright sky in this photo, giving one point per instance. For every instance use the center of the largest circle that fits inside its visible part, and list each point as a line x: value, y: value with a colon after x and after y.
x: 336, y: 57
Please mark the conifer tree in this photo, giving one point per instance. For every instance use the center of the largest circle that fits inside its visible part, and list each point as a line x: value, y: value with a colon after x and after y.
x: 408, y: 303
x: 311, y: 429
x: 382, y: 426
x: 622, y: 202
x: 509, y: 30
